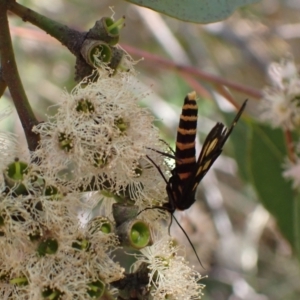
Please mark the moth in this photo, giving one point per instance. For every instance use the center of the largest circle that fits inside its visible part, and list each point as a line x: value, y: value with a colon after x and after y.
x: 188, y: 172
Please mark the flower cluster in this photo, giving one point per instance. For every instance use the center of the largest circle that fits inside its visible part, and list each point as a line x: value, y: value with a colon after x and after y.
x: 292, y: 170
x: 280, y: 104
x: 43, y: 252
x: 58, y: 222
x: 170, y: 276
x: 98, y: 135
x: 280, y: 107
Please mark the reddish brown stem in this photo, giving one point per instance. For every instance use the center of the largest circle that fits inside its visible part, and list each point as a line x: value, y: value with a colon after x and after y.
x: 290, y: 146
x: 165, y: 63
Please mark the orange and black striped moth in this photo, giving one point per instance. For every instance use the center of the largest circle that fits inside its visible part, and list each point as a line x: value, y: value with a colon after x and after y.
x: 188, y: 172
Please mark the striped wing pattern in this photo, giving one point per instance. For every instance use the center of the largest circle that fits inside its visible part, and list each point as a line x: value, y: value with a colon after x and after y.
x: 188, y: 172
x: 185, y: 152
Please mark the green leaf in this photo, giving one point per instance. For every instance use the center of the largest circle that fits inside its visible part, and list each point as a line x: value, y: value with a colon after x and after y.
x: 267, y: 154
x: 240, y: 138
x: 197, y: 11
x: 260, y: 153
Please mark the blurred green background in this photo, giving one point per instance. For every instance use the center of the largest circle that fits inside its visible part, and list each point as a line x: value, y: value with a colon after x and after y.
x: 244, y: 254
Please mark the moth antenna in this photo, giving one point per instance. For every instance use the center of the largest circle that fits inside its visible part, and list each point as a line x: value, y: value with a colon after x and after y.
x: 193, y: 247
x: 158, y: 169
x: 162, y: 153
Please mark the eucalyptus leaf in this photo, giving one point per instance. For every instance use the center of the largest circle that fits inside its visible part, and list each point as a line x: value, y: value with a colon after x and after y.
x: 260, y: 153
x: 196, y: 11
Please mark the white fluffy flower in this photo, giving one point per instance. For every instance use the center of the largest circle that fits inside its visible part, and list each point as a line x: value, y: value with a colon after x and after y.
x: 98, y: 148
x: 99, y: 135
x: 292, y: 172
x: 169, y: 274
x: 280, y: 103
x: 26, y: 222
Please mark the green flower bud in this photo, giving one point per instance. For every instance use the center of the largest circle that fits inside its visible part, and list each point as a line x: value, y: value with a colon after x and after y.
x: 102, y: 224
x: 135, y: 234
x: 48, y: 246
x: 52, y: 294
x: 96, y: 52
x: 81, y: 244
x: 96, y: 289
x: 14, y: 175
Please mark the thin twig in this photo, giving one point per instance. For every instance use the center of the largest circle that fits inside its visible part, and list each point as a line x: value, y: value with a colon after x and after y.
x: 11, y: 77
x: 155, y: 60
